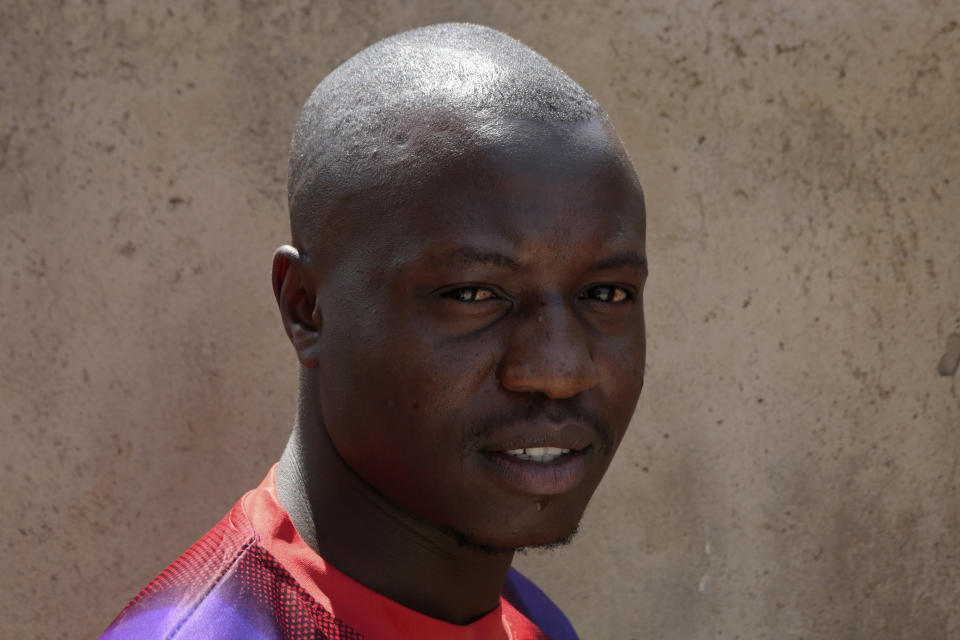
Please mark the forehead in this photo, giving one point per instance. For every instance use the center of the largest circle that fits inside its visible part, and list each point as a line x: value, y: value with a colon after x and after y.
x: 544, y: 189
x: 523, y: 178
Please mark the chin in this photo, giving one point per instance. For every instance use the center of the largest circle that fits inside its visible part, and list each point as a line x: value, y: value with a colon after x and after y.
x: 518, y: 541
x: 560, y: 542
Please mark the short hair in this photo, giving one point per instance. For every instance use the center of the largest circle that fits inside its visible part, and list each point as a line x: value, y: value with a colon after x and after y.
x: 360, y: 113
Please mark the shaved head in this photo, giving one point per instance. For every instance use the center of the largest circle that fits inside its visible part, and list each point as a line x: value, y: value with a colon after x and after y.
x: 409, y: 103
x: 465, y: 296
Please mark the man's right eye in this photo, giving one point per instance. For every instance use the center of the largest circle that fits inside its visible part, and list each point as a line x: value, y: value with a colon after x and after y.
x: 470, y: 294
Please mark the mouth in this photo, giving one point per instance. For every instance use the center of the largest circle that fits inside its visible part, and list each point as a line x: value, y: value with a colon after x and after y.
x: 538, y: 471
x: 540, y: 457
x: 538, y: 454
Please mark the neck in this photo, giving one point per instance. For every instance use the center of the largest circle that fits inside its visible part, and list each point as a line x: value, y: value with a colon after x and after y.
x: 373, y: 541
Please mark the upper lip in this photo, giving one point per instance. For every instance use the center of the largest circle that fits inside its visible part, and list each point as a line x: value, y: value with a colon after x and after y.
x: 573, y: 435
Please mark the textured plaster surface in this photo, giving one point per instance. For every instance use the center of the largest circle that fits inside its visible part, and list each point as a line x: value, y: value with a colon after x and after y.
x: 792, y: 470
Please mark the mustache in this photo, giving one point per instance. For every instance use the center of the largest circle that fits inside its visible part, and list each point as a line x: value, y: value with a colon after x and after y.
x: 534, y: 411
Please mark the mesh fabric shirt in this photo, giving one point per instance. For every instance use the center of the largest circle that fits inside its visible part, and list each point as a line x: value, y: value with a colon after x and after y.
x: 252, y: 577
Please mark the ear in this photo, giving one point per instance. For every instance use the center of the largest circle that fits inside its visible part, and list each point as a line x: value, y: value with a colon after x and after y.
x: 298, y: 305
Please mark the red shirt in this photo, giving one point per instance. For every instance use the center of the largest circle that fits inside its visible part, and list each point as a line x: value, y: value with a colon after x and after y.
x: 252, y: 577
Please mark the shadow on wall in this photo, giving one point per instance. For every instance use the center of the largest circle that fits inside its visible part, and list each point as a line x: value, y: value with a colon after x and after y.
x: 950, y: 361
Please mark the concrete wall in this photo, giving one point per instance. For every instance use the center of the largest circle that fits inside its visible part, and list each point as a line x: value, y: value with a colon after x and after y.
x: 792, y: 471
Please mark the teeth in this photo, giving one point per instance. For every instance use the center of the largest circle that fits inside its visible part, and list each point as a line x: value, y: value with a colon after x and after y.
x: 538, y: 454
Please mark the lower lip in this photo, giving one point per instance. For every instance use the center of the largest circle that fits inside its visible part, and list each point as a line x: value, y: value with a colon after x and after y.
x: 539, y: 478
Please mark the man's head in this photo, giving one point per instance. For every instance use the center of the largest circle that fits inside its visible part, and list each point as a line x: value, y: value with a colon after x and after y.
x: 465, y: 291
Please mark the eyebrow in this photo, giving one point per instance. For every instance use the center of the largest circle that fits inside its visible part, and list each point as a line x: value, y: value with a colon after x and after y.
x: 631, y: 259
x: 471, y: 255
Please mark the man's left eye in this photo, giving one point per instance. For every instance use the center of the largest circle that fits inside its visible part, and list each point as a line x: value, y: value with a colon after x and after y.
x: 607, y: 293
x: 470, y: 294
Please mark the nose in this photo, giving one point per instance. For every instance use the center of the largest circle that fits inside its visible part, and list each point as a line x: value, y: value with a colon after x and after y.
x: 548, y: 353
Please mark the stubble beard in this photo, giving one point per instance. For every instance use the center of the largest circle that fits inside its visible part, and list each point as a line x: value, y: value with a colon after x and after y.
x: 466, y: 541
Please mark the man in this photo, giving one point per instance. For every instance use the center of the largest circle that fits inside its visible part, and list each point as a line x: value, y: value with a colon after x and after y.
x: 464, y: 293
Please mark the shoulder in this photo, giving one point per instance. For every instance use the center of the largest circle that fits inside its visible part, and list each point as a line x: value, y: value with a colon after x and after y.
x: 170, y: 603
x: 226, y: 586
x: 528, y: 599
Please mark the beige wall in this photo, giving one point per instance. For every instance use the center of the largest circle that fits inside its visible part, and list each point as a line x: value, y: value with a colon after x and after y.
x: 792, y: 471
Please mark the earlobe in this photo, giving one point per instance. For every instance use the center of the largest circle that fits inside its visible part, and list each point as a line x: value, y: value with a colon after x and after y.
x: 298, y: 304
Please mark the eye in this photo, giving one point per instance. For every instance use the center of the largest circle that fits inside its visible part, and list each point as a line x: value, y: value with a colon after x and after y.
x: 470, y: 294
x: 608, y: 293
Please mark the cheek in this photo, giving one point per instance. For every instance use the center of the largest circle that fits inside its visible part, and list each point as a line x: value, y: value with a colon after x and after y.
x: 625, y: 366
x: 399, y: 387
x: 636, y: 351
